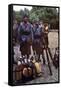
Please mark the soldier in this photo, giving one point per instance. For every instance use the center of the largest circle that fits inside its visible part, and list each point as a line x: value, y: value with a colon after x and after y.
x: 46, y: 27
x: 25, y: 35
x: 37, y: 39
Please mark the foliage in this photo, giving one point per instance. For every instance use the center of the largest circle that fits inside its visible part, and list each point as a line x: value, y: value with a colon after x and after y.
x: 45, y: 14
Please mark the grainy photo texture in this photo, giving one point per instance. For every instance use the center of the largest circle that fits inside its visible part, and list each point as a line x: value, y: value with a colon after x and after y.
x: 35, y: 44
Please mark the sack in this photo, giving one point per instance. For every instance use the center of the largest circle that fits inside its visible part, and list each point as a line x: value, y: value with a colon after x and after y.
x: 29, y: 71
x: 18, y: 74
x: 38, y: 67
x: 25, y: 72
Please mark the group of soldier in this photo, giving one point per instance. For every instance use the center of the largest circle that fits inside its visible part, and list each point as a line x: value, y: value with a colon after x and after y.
x: 32, y: 38
x: 33, y: 34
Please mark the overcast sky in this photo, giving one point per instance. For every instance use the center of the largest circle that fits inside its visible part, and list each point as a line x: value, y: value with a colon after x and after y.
x: 18, y: 8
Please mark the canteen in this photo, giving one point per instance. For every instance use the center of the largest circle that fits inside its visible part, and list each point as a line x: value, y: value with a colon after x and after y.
x: 29, y: 71
x: 38, y: 67
x: 25, y: 72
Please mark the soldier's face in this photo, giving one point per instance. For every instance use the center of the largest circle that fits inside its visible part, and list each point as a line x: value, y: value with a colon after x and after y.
x: 25, y: 19
x: 37, y: 24
x: 34, y: 24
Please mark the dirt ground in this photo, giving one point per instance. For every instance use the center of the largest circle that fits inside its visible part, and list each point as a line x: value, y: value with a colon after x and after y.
x: 46, y: 77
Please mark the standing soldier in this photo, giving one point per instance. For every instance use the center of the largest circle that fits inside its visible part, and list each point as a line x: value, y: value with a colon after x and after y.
x: 44, y: 39
x: 25, y: 36
x: 46, y: 42
x: 46, y: 35
x: 37, y: 41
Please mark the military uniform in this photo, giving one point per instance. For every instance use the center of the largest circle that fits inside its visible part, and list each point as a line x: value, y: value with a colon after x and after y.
x: 37, y: 39
x: 46, y: 35
x: 25, y: 38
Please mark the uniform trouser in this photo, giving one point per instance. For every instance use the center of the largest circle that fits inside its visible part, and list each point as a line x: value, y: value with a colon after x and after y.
x: 25, y: 49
